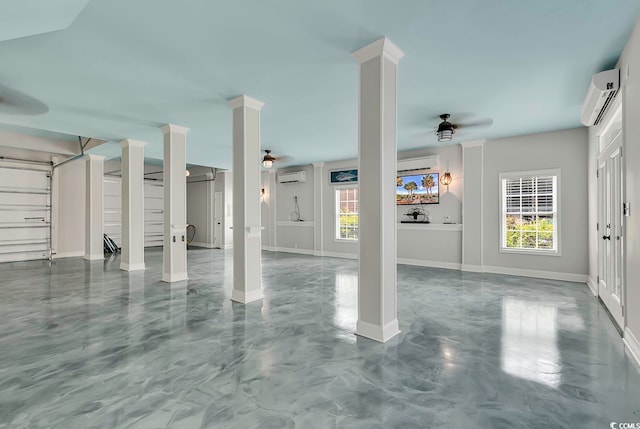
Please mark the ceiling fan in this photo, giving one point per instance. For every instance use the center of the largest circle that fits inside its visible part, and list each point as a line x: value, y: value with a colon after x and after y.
x: 447, y: 129
x: 268, y: 159
x: 13, y: 102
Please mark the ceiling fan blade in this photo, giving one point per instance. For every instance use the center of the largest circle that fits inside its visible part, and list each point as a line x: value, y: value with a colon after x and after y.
x: 482, y: 123
x: 283, y: 158
x: 13, y: 102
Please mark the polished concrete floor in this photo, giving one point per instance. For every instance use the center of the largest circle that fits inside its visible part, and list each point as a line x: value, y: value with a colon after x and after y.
x: 84, y: 345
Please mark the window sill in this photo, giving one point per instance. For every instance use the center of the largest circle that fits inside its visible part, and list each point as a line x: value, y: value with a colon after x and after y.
x: 531, y: 252
x: 345, y: 240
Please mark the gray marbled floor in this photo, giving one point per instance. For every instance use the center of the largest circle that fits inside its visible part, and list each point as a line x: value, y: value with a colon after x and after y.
x: 84, y: 345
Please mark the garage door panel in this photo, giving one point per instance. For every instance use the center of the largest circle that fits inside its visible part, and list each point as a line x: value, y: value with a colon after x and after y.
x: 25, y: 212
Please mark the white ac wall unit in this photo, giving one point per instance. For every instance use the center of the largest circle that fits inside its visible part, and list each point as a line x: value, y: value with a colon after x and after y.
x: 297, y: 176
x: 424, y: 163
x: 604, y: 86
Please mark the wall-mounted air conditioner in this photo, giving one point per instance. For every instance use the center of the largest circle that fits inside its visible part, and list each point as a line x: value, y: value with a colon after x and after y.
x: 297, y: 176
x: 604, y: 86
x: 424, y: 163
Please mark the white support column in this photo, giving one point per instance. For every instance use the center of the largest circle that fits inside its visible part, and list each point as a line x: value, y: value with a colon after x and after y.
x: 132, y: 257
x: 318, y: 186
x: 472, y: 206
x: 94, y: 226
x: 174, y: 253
x: 377, y: 171
x: 246, y: 199
x: 273, y: 214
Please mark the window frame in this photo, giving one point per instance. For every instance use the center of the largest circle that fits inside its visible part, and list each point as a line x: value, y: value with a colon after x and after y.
x: 336, y: 213
x: 556, y: 202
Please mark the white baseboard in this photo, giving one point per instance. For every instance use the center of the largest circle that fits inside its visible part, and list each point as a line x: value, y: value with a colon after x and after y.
x: 551, y: 275
x: 68, y: 255
x: 472, y: 268
x: 246, y: 297
x: 377, y: 333
x: 632, y: 345
x: 227, y: 246
x: 592, y: 286
x: 340, y: 255
x: 269, y: 248
x: 176, y: 277
x: 198, y: 244
x: 132, y: 267
x: 432, y: 264
x: 292, y: 250
x: 96, y: 257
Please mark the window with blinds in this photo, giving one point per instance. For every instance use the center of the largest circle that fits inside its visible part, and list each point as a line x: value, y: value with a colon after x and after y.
x: 347, y: 214
x: 530, y: 211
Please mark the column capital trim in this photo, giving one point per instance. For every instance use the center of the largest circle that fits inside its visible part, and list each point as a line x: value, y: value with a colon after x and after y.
x: 382, y: 46
x: 245, y: 100
x: 92, y: 157
x: 172, y: 128
x: 473, y: 143
x: 132, y: 143
x: 318, y: 164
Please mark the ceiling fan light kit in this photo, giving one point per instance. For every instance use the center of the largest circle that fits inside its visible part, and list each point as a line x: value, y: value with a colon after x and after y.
x: 268, y: 159
x: 445, y: 129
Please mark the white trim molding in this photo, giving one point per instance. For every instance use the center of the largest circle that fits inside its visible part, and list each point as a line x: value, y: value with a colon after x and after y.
x: 632, y: 345
x: 472, y: 268
x: 292, y: 250
x: 431, y: 264
x: 430, y: 226
x: 382, y: 46
x: 472, y: 143
x: 132, y: 267
x: 551, y: 275
x: 246, y: 297
x: 592, y: 286
x: 62, y: 255
x: 205, y: 245
x: 340, y: 255
x: 172, y: 128
x: 245, y: 101
x: 310, y: 224
x: 95, y: 257
x: 377, y: 333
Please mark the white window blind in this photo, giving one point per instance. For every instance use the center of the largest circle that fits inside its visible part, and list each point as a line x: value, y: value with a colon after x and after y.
x: 347, y: 214
x: 530, y: 211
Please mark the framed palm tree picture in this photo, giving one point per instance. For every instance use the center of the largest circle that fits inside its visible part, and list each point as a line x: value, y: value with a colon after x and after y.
x: 412, y: 188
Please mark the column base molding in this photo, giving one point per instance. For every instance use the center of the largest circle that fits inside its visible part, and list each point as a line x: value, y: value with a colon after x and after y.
x: 176, y: 277
x: 132, y: 267
x: 632, y: 344
x: 246, y: 297
x: 376, y: 332
x: 94, y: 257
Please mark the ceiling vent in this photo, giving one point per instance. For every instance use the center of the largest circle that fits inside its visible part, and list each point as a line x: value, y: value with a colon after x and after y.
x: 603, y: 88
x: 298, y: 176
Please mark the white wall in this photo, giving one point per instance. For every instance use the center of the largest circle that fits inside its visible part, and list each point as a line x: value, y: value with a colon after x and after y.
x: 68, y: 202
x: 566, y: 150
x: 224, y: 184
x: 291, y: 234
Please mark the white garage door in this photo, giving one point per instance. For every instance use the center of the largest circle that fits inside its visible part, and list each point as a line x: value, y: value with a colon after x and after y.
x: 153, y: 211
x: 25, y: 212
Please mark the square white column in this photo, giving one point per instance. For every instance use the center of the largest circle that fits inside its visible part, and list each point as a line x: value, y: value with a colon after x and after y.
x: 472, y: 203
x: 132, y: 256
x: 377, y: 172
x: 174, y: 252
x: 318, y: 200
x: 246, y: 200
x: 94, y: 211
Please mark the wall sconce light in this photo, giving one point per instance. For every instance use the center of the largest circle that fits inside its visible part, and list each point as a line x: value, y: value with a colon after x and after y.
x: 262, y: 194
x: 446, y: 179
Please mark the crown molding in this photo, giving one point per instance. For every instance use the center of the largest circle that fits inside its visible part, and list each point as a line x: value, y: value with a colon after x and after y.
x: 245, y: 100
x: 318, y: 164
x: 380, y: 47
x: 172, y: 128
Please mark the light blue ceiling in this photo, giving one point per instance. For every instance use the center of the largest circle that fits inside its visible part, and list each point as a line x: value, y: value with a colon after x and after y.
x: 123, y: 68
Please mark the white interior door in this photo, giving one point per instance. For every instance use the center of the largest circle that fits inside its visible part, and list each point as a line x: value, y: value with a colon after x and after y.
x: 217, y: 218
x: 611, y: 226
x: 25, y: 212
